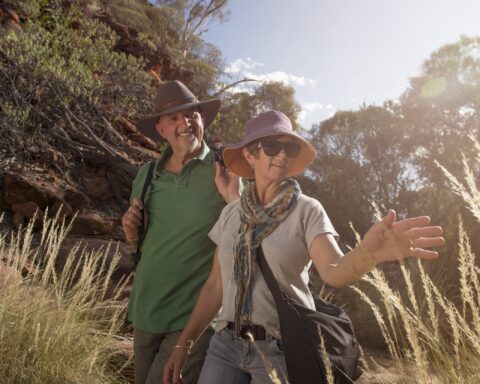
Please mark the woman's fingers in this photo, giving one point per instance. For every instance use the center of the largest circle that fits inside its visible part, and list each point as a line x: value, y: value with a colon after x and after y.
x: 172, y: 373
x: 423, y: 253
x: 388, y: 220
x: 177, y: 375
x: 429, y: 231
x: 167, y: 373
x: 427, y: 242
x: 410, y: 223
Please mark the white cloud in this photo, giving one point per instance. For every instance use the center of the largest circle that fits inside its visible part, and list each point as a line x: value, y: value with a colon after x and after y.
x: 312, y: 106
x: 249, y: 68
x: 310, y: 109
x: 241, y: 65
x: 282, y: 77
x: 302, y: 116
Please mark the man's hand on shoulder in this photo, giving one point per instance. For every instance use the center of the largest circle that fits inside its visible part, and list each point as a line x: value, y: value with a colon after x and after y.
x: 228, y: 184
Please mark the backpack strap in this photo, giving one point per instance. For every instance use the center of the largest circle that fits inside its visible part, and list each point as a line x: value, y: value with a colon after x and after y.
x: 218, y: 152
x: 141, y: 229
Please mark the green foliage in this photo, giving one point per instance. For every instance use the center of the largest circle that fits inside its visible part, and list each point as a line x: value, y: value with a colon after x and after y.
x: 174, y: 28
x: 205, y: 66
x: 441, y: 108
x: 239, y: 107
x: 360, y: 159
x: 158, y: 26
x: 61, y: 74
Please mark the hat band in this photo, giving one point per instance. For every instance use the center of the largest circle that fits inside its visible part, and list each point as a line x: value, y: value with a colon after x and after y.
x: 175, y: 103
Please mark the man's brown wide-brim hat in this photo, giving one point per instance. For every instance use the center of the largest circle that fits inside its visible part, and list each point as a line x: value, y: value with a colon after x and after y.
x: 271, y: 123
x: 174, y: 96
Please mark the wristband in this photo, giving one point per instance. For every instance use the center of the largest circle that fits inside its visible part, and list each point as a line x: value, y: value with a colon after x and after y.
x: 188, y: 347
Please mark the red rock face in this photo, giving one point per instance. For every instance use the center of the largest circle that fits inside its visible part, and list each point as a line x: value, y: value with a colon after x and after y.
x: 92, y: 191
x: 9, y: 18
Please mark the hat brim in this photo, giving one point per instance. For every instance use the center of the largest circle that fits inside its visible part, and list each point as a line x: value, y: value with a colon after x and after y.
x: 236, y: 162
x: 208, y: 108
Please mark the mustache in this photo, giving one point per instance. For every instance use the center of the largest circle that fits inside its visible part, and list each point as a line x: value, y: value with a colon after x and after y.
x: 190, y: 129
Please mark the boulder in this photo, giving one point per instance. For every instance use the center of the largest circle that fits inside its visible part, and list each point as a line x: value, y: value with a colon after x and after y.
x: 92, y: 223
x: 24, y: 212
x: 41, y: 189
x: 98, y: 187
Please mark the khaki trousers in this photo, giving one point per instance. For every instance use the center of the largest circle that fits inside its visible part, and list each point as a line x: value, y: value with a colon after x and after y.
x: 152, y: 350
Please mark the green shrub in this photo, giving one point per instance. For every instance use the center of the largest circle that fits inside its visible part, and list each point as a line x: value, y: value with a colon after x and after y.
x: 62, y: 82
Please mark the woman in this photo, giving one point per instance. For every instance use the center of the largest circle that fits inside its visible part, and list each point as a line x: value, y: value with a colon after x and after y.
x: 294, y: 231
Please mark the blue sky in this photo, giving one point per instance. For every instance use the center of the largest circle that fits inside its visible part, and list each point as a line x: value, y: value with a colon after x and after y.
x: 339, y: 54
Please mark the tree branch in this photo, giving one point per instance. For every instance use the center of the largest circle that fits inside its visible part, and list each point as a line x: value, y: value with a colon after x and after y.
x: 231, y: 85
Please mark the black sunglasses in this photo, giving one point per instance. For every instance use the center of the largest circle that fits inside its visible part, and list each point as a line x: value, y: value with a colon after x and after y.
x: 272, y: 147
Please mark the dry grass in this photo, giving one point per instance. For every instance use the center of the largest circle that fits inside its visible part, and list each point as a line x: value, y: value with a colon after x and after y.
x: 430, y: 338
x: 57, y: 327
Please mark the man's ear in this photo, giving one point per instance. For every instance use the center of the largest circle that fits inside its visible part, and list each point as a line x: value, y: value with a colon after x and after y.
x: 159, y: 129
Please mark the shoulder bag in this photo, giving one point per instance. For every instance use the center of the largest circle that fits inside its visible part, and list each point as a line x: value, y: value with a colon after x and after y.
x: 303, y: 328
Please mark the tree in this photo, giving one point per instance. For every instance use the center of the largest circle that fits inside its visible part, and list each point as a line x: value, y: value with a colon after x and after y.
x: 239, y: 107
x: 360, y: 160
x: 169, y: 37
x: 441, y: 108
x: 195, y: 15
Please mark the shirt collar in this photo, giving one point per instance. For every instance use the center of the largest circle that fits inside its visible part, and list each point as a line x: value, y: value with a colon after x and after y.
x: 206, y: 156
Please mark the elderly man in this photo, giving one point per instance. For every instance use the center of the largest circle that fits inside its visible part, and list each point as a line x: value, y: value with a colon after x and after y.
x: 185, y: 196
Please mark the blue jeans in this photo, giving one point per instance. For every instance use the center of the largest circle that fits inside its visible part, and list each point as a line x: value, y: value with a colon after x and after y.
x: 234, y: 360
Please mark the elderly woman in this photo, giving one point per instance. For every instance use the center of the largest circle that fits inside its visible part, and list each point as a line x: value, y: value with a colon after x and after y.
x: 294, y: 231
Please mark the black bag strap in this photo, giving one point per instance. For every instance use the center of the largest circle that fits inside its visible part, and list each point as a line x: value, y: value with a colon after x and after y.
x: 278, y: 295
x: 142, y: 230
x: 272, y: 282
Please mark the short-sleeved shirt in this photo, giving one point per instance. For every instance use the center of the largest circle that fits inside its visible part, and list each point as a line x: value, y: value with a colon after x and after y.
x: 176, y: 253
x: 286, y: 251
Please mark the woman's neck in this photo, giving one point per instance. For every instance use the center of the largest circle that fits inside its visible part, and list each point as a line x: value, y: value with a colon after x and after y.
x: 266, y: 191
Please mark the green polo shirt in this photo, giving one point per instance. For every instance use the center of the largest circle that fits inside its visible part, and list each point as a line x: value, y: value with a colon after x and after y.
x: 176, y: 253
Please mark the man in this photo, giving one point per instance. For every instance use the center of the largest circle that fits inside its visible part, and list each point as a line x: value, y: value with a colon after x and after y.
x: 184, y: 199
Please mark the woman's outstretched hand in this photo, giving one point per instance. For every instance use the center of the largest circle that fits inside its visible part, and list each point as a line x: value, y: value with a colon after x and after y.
x: 390, y: 239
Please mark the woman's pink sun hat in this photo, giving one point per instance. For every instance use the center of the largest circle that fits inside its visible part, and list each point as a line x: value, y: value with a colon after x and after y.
x: 271, y: 123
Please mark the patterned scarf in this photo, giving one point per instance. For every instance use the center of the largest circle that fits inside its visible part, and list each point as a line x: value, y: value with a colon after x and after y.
x: 256, y: 224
